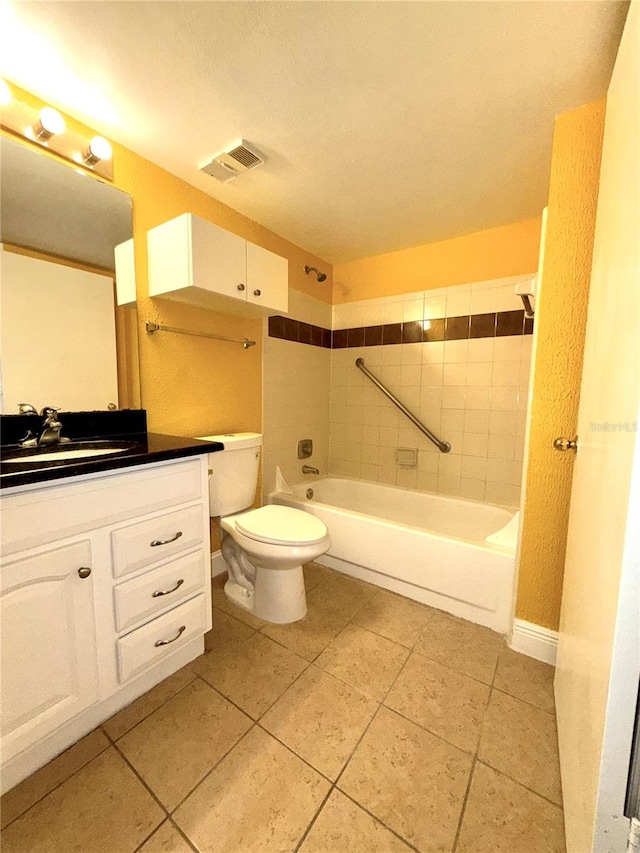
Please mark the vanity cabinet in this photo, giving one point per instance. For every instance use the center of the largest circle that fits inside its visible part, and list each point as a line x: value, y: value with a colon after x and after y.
x: 104, y: 591
x: 195, y: 261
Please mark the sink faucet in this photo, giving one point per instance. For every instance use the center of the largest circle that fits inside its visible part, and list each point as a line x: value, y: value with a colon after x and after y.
x: 51, y: 427
x: 309, y: 469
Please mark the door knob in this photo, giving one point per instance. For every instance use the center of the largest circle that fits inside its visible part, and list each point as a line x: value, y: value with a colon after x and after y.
x: 563, y: 443
x: 257, y: 292
x: 241, y: 287
x: 84, y: 572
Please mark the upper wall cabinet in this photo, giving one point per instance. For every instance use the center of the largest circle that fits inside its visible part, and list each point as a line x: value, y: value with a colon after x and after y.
x: 195, y: 261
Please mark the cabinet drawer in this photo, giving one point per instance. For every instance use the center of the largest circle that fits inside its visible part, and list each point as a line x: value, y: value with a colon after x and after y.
x: 148, y: 645
x: 55, y: 511
x: 158, y: 589
x: 147, y: 542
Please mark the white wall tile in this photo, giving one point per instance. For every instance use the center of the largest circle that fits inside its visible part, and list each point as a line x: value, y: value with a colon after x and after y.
x: 499, y: 493
x: 476, y: 420
x: 458, y: 304
x: 452, y: 420
x: 406, y: 478
x: 479, y: 373
x: 508, y: 299
x: 484, y: 301
x: 474, y: 467
x: 504, y: 397
x: 478, y: 397
x: 432, y: 352
x: 506, y: 373
x: 475, y: 444
x: 411, y: 374
x: 427, y: 481
x: 472, y: 489
x: 450, y: 463
x: 456, y: 352
x: 453, y: 397
x: 448, y: 485
x: 502, y: 446
x: 412, y: 309
x: 508, y: 348
x: 392, y: 311
x: 454, y: 374
x: 481, y: 349
x: 434, y: 307
x: 503, y: 423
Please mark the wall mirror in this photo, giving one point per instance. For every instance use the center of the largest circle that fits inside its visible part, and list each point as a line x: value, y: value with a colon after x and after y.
x: 64, y: 340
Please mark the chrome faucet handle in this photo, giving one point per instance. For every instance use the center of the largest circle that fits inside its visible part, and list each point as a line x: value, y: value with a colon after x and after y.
x: 50, y: 412
x: 27, y: 409
x: 29, y: 440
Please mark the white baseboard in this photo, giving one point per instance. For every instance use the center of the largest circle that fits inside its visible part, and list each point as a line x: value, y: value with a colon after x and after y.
x: 535, y: 641
x: 218, y: 565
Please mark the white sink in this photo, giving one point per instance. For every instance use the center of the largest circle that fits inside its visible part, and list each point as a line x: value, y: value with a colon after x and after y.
x: 60, y: 455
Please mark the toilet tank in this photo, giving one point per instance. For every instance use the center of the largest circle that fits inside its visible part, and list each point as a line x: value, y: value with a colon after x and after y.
x: 234, y: 472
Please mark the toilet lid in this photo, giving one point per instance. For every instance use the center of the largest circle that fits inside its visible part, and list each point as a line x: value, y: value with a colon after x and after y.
x: 281, y: 525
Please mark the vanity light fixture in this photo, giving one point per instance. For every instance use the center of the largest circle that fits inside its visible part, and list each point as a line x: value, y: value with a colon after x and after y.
x: 45, y: 126
x: 99, y: 149
x: 50, y: 123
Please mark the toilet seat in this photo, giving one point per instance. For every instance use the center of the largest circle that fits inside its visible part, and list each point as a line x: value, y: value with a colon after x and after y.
x: 281, y: 525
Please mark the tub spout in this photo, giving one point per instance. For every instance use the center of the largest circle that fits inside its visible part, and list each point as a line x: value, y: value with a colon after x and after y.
x: 309, y: 469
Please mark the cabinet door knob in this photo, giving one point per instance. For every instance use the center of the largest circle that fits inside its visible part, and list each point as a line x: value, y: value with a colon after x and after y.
x: 84, y: 572
x: 241, y: 287
x: 257, y: 292
x: 565, y: 444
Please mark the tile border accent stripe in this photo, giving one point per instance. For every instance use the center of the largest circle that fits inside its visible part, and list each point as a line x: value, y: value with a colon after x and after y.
x: 467, y: 327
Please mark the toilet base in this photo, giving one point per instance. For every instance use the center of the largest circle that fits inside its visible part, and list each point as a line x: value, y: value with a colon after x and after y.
x: 278, y: 597
x: 274, y: 594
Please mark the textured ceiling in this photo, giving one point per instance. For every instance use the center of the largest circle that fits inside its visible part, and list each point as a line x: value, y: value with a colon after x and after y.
x: 384, y: 124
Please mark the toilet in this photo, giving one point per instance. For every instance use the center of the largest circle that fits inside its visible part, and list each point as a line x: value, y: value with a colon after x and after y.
x: 264, y: 548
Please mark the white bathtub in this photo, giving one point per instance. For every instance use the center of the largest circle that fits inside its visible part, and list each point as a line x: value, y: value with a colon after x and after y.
x: 427, y: 547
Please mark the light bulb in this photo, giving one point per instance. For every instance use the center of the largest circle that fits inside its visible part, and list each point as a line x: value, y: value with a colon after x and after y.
x: 99, y: 149
x: 50, y: 122
x: 5, y: 93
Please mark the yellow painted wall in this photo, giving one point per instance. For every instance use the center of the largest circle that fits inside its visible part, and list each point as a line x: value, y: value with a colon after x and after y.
x: 561, y: 313
x: 495, y: 253
x: 193, y: 386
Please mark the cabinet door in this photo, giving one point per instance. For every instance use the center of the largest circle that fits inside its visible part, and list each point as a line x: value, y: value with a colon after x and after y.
x: 219, y: 260
x: 267, y: 279
x: 49, y: 667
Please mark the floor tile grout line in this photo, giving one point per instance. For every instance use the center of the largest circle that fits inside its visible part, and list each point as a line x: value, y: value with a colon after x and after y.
x: 183, y: 834
x: 485, y: 763
x: 313, y: 819
x: 140, y: 779
x: 465, y: 800
x: 377, y: 819
x: 297, y: 755
x: 524, y: 701
x: 470, y: 752
x: 59, y: 784
x: 210, y: 771
x: 146, y: 716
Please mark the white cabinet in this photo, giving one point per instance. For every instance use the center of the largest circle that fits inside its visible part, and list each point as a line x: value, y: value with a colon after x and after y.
x: 104, y: 591
x: 195, y: 261
x: 49, y: 666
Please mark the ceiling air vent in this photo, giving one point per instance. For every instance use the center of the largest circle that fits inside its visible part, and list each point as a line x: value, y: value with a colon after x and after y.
x: 233, y: 162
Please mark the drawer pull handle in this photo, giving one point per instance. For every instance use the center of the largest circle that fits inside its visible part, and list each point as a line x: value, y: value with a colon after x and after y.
x: 157, y: 542
x: 181, y: 631
x: 168, y: 591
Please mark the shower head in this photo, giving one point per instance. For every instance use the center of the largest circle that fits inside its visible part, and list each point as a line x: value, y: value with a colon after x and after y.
x: 320, y: 276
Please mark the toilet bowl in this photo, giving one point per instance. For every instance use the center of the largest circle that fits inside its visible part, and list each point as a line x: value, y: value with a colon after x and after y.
x: 264, y: 548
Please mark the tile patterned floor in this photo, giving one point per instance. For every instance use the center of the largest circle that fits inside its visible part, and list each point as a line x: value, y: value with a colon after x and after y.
x: 375, y: 725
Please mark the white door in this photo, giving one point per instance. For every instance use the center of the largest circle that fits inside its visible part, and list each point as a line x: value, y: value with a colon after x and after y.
x: 598, y: 658
x: 49, y: 667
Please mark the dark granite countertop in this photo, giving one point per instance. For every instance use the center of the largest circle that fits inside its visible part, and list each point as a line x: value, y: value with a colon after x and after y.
x: 145, y: 448
x: 101, y: 429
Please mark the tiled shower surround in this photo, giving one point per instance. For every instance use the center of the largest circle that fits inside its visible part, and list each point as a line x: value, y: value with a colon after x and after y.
x: 458, y: 357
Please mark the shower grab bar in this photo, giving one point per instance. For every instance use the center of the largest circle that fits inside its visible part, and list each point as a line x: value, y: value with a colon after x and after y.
x: 156, y: 327
x: 443, y: 446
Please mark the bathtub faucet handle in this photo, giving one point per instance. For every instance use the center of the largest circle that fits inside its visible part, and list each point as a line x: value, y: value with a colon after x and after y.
x: 309, y: 469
